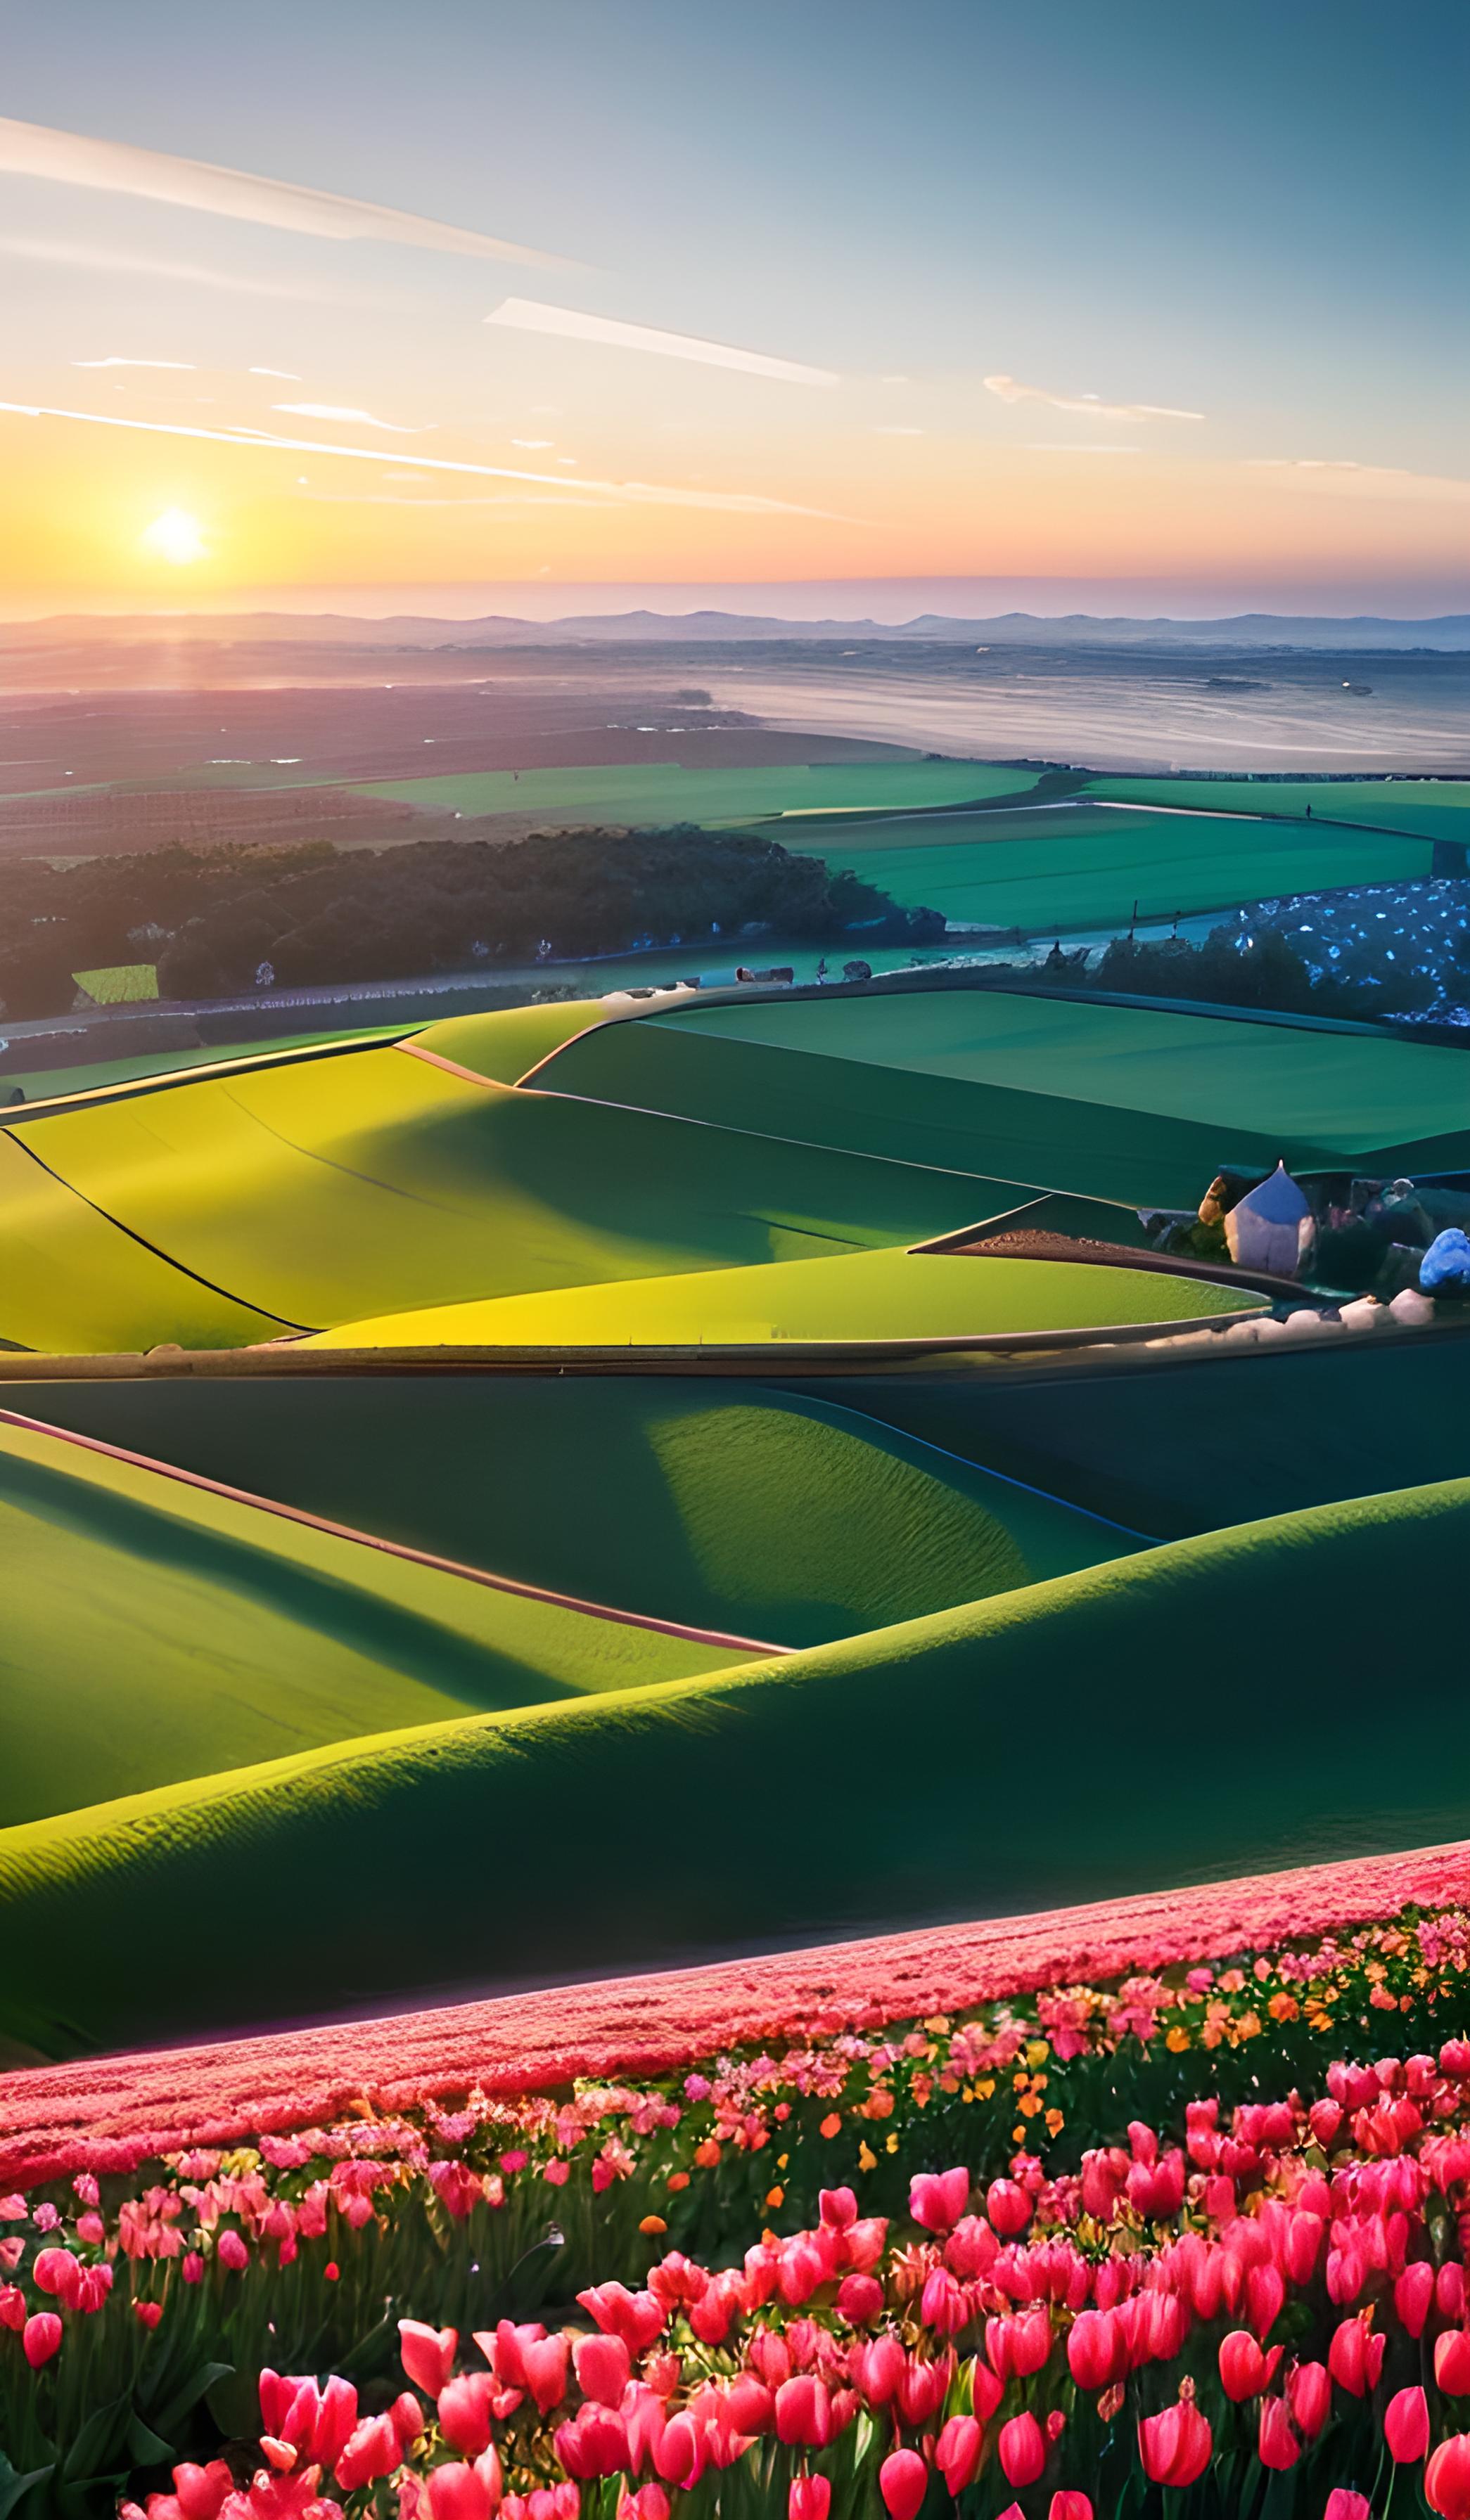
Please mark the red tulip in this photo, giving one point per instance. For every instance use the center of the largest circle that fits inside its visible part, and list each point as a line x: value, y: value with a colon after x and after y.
x: 464, y: 2412
x: 457, y: 2492
x: 200, y: 2491
x: 957, y: 2451
x: 803, y: 2413
x: 637, y: 2317
x: 1342, y: 2504
x: 920, y: 2390
x: 859, y: 2300
x: 1008, y: 2207
x: 1096, y: 2353
x: 1406, y: 2425
x: 972, y: 2248
x: 1447, y: 2478
x: 937, y: 2201
x: 373, y: 2451
x: 1276, y: 2440
x: 148, y: 2313
x: 809, y: 2499
x: 1068, y: 2503
x: 602, y: 2368
x: 1451, y: 2363
x: 41, y: 2337
x: 12, y: 2307
x: 1174, y: 2446
x: 1244, y: 2370
x: 1355, y: 2357
x: 231, y: 2251
x: 426, y: 2353
x: 57, y: 2272
x: 1308, y: 2392
x: 544, y: 2359
x: 679, y: 2456
x: 1023, y: 2450
x: 1413, y: 2295
x: 877, y: 2368
x: 595, y: 2444
x: 904, y: 2481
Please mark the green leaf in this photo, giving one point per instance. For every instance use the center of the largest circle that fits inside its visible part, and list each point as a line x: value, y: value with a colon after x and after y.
x: 99, y: 2444
x: 166, y: 2418
x: 15, y: 2489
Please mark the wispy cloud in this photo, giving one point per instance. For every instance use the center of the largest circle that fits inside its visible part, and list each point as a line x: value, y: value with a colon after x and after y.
x: 185, y: 366
x: 1055, y: 446
x: 1010, y: 389
x: 286, y: 375
x: 1364, y: 480
x: 147, y: 266
x: 344, y: 411
x: 150, y: 175
x: 524, y: 315
x: 655, y: 494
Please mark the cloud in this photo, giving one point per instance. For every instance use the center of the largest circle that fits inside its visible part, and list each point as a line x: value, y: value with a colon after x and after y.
x: 524, y: 315
x: 656, y: 494
x: 1367, y: 480
x: 532, y: 445
x: 344, y: 411
x: 1055, y: 446
x: 150, y: 175
x: 287, y: 375
x: 185, y: 364
x: 145, y: 266
x: 1009, y: 390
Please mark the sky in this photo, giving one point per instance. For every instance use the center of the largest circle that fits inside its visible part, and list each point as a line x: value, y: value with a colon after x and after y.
x: 812, y: 306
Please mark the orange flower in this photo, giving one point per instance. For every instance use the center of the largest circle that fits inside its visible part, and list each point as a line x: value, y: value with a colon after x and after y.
x: 831, y: 2125
x: 653, y: 2223
x: 707, y: 2154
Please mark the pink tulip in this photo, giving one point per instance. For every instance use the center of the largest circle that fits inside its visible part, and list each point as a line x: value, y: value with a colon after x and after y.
x: 41, y: 2337
x: 1174, y: 2446
x: 680, y: 2454
x: 1095, y: 2352
x: 1244, y: 2370
x: 877, y: 2368
x: 1342, y: 2504
x: 637, y: 2317
x: 922, y: 2388
x: 1008, y: 2207
x: 1406, y: 2425
x: 12, y: 2307
x: 1451, y: 2363
x: 1355, y: 2357
x: 859, y: 2300
x: 904, y: 2481
x: 427, y: 2354
x: 1447, y: 2478
x: 803, y: 2413
x: 595, y: 2444
x: 406, y: 2416
x: 200, y: 2491
x: 373, y: 2451
x: 1022, y: 2445
x: 544, y: 2360
x: 1068, y: 2503
x: 602, y: 2368
x: 809, y: 2499
x: 937, y: 2201
x: 1413, y: 2296
x: 456, y: 2493
x: 231, y: 2251
x: 464, y: 2412
x: 1308, y: 2392
x: 1276, y: 2440
x: 957, y: 2453
x: 57, y: 2272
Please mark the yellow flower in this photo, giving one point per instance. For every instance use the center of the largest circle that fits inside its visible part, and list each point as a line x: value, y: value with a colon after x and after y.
x: 892, y: 2144
x: 1054, y: 2122
x: 866, y: 2159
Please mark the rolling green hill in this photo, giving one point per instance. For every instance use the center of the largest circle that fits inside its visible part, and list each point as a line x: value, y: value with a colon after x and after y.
x: 1031, y: 1750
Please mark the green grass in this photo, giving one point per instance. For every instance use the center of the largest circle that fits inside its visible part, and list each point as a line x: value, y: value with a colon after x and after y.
x: 1439, y: 809
x: 1108, y: 1103
x: 1069, y: 867
x: 662, y: 791
x: 332, y: 1189
x: 154, y: 1633
x: 881, y: 1295
x: 1060, y: 1743
x: 715, y: 1505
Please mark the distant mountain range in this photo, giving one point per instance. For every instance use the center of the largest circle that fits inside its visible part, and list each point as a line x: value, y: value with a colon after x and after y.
x: 1255, y: 631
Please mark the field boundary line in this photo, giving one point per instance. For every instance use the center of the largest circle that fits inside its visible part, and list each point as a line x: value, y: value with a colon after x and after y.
x: 385, y: 1548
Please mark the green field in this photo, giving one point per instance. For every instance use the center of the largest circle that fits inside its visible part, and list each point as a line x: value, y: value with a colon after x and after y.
x: 330, y: 1189
x: 662, y: 791
x: 988, y: 1760
x: 1080, y: 866
x: 1110, y: 1102
x: 1437, y: 809
x: 43, y: 1084
x: 154, y: 1633
x: 882, y: 1295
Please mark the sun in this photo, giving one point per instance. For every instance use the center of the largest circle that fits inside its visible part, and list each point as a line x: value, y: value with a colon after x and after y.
x: 174, y: 536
